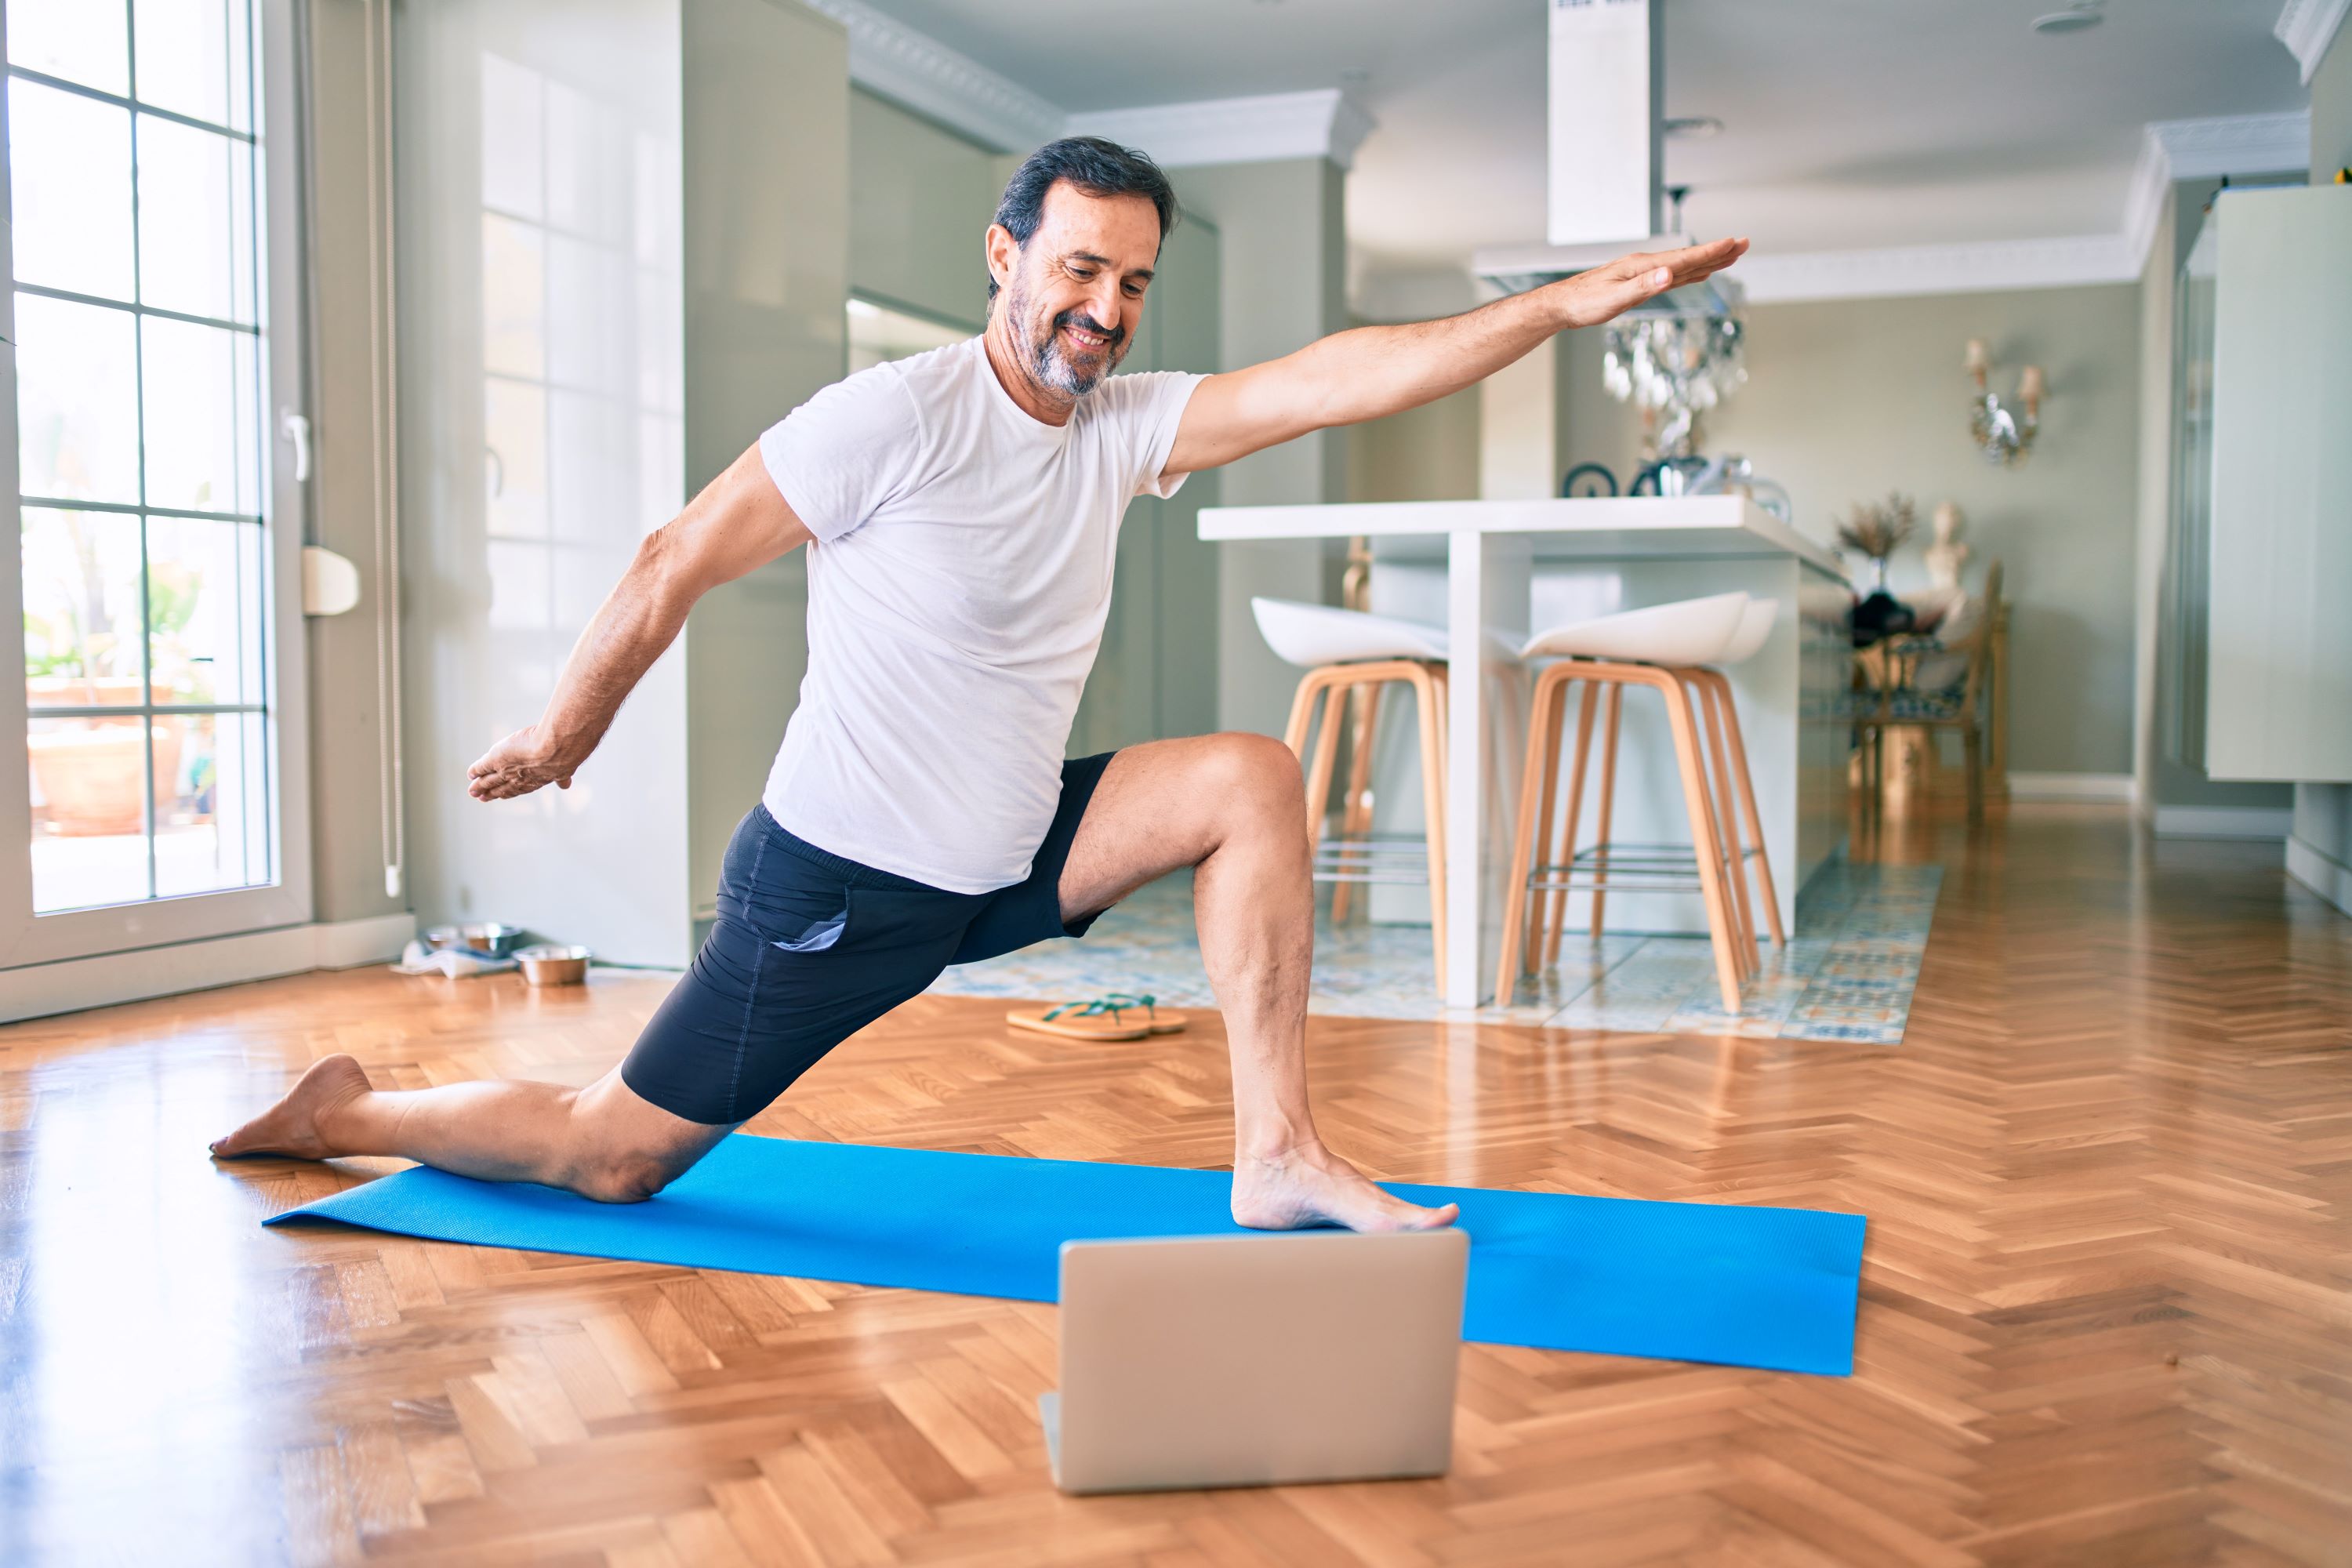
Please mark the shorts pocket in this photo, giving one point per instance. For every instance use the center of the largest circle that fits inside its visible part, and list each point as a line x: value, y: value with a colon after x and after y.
x: 791, y: 903
x: 818, y: 936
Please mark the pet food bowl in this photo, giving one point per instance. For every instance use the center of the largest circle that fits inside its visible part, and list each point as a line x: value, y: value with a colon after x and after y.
x: 484, y: 936
x: 550, y: 965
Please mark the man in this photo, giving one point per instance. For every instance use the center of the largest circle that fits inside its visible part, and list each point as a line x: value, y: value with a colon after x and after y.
x: 961, y: 511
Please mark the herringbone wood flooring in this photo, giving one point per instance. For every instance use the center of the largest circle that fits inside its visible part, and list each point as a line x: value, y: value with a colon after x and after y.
x: 2106, y: 1312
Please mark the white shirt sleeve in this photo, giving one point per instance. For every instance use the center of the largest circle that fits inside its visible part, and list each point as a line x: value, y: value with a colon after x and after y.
x: 1156, y: 408
x: 837, y: 458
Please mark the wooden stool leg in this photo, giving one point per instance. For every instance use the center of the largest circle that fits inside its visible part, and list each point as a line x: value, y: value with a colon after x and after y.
x: 1747, y: 783
x: 1544, y: 716
x: 1356, y: 817
x: 1719, y: 916
x: 1735, y: 864
x: 1302, y: 714
x: 1326, y: 754
x: 1543, y: 726
x: 1558, y: 919
x: 1425, y: 683
x: 1607, y: 791
x: 1440, y: 676
x: 1973, y: 739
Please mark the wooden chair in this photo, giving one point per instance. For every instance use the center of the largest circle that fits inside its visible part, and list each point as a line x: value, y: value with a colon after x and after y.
x: 1893, y: 699
x: 1345, y: 652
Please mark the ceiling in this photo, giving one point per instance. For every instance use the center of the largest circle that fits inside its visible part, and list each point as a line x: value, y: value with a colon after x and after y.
x: 1848, y: 123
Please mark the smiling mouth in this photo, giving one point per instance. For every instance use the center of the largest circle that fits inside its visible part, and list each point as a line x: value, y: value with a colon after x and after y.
x: 1086, y: 339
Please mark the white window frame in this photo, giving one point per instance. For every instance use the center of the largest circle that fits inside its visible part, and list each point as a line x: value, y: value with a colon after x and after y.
x: 26, y: 939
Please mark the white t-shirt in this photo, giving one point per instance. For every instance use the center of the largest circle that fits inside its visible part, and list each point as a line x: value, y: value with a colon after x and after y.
x: 957, y: 586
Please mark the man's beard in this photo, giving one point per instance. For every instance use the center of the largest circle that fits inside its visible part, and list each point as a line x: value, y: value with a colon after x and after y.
x: 1052, y: 365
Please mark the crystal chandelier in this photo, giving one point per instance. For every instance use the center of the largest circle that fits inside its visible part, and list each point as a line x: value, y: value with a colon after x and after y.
x: 1674, y: 362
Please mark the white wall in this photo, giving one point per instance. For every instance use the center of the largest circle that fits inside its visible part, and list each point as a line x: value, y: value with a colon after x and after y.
x: 767, y: 253
x: 919, y: 212
x: 609, y: 293
x: 539, y: 263
x: 1282, y: 226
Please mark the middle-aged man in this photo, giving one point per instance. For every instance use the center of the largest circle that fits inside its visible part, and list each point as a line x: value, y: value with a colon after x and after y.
x: 961, y: 511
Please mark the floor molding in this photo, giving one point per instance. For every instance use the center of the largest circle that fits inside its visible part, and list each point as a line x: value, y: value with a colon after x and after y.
x: 71, y: 985
x: 2222, y: 821
x: 2070, y: 786
x: 2320, y: 871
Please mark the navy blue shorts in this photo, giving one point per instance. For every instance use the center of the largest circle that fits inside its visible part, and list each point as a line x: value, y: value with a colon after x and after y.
x: 810, y: 948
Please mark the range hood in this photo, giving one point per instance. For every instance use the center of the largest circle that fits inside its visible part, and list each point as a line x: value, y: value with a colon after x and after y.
x: 1605, y: 186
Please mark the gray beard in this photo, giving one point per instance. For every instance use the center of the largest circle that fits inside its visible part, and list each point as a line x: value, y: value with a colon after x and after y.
x: 1050, y: 365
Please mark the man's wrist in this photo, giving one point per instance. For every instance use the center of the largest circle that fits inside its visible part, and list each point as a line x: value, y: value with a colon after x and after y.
x: 1559, y: 299
x: 562, y: 752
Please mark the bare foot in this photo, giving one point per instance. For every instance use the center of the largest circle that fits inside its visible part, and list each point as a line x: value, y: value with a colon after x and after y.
x: 1311, y: 1186
x: 292, y: 1126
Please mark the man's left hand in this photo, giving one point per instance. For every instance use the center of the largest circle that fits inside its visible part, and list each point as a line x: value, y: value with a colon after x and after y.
x: 1601, y: 293
x: 518, y: 765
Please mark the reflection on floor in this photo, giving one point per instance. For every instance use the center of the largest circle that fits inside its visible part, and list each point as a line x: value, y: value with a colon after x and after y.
x: 1847, y: 973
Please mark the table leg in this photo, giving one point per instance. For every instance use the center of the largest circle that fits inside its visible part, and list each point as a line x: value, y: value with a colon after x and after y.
x: 1487, y: 584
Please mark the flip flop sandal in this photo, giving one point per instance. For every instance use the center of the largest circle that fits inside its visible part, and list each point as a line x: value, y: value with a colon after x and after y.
x: 1096, y: 1020
x: 1172, y: 1023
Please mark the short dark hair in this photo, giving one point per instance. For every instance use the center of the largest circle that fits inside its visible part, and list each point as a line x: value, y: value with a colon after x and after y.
x: 1097, y: 167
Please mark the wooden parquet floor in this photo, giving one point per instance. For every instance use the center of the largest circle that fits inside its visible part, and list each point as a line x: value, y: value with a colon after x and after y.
x: 2107, y: 1309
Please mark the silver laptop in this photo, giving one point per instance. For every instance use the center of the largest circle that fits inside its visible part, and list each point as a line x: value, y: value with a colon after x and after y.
x: 1238, y: 1360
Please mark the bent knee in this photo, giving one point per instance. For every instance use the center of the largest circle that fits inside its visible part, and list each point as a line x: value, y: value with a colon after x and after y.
x: 1256, y: 768
x: 622, y: 1178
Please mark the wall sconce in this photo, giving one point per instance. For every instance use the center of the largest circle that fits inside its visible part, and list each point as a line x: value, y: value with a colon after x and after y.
x: 2002, y: 437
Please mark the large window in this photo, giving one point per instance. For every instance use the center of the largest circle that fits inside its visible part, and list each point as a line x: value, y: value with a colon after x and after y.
x: 143, y: 455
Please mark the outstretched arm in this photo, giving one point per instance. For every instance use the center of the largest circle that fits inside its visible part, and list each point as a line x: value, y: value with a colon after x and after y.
x: 1371, y: 372
x: 738, y: 524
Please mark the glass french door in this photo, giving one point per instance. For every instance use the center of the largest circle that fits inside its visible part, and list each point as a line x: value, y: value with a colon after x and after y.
x: 158, y: 794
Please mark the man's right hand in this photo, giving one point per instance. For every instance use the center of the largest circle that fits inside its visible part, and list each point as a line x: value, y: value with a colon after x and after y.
x: 518, y: 765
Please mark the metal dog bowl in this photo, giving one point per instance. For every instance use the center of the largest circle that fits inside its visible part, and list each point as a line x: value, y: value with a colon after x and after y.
x: 552, y: 965
x: 484, y: 936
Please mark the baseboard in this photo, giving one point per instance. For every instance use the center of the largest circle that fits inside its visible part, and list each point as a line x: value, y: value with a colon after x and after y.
x: 71, y: 985
x: 2070, y: 786
x: 347, y: 944
x: 2222, y: 821
x: 2321, y: 872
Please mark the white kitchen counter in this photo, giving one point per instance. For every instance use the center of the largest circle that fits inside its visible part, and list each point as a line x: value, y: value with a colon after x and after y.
x: 1518, y: 565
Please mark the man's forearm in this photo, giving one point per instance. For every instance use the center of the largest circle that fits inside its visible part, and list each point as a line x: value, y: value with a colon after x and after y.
x: 738, y: 523
x: 1369, y: 372
x: 640, y: 617
x: 1374, y: 371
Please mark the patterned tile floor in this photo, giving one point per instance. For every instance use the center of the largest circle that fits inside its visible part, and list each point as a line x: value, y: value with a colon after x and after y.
x: 1847, y: 973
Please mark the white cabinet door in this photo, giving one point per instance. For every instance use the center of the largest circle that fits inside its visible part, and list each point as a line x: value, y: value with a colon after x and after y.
x: 2278, y: 696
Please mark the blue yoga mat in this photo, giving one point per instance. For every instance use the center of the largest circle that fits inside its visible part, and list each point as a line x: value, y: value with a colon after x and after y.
x: 1713, y: 1282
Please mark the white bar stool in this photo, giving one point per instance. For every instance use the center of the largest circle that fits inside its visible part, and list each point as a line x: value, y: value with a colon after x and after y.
x: 1754, y: 626
x: 1659, y: 646
x: 1734, y: 787
x: 1341, y: 651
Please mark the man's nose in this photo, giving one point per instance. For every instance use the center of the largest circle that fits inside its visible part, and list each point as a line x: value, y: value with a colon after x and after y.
x: 1103, y: 303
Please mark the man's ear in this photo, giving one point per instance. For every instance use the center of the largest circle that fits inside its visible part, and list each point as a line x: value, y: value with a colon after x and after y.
x: 1003, y: 252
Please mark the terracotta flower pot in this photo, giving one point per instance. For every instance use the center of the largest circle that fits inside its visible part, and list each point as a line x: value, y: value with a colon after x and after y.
x: 94, y: 780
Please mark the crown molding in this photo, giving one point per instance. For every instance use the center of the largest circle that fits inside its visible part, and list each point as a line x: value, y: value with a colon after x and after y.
x: 892, y: 59
x: 2235, y: 144
x: 889, y: 58
x: 2173, y: 150
x: 2307, y: 27
x: 1321, y: 124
